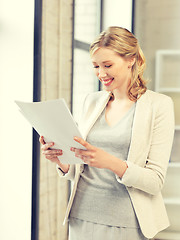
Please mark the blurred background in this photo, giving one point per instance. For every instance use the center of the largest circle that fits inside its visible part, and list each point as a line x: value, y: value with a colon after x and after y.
x: 44, y: 54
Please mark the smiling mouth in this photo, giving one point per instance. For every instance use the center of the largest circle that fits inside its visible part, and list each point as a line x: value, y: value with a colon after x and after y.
x: 107, y: 82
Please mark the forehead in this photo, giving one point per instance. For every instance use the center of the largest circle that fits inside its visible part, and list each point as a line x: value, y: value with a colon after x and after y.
x: 104, y: 55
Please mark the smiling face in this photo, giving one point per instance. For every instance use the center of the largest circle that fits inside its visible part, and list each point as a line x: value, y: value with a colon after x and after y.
x: 112, y: 70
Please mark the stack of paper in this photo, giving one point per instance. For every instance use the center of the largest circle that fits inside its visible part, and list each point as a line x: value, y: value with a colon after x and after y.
x: 53, y: 120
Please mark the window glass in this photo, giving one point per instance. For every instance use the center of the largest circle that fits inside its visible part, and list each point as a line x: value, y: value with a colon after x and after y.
x: 87, y: 17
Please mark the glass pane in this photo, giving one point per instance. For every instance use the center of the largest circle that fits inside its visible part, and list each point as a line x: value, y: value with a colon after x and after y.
x: 84, y: 80
x: 86, y: 28
x: 87, y: 17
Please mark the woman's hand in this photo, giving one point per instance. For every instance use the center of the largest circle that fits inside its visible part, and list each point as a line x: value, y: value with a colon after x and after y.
x: 96, y: 157
x: 52, y: 154
x: 93, y: 156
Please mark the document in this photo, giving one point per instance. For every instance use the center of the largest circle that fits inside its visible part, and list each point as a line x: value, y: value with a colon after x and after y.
x: 53, y: 120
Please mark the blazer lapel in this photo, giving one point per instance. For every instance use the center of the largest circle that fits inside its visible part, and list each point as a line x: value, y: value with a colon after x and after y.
x: 91, y: 117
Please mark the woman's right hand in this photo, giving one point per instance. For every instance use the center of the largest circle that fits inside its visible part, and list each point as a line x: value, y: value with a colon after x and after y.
x: 52, y: 154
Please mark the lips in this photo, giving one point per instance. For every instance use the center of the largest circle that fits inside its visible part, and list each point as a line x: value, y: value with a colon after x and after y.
x: 107, y: 82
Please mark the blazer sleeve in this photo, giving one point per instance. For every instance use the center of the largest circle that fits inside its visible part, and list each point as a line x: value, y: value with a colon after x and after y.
x: 69, y: 175
x: 150, y: 178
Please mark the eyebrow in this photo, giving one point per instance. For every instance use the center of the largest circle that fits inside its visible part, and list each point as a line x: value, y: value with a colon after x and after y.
x: 105, y: 61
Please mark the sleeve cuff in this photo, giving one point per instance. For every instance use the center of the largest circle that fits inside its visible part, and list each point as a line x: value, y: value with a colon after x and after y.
x: 130, y: 176
x: 69, y: 175
x: 61, y: 172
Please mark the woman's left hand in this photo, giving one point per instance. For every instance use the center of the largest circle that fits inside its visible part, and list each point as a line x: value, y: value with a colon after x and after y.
x: 93, y: 156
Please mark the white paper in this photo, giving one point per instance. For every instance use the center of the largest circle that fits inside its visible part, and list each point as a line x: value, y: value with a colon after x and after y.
x: 53, y: 120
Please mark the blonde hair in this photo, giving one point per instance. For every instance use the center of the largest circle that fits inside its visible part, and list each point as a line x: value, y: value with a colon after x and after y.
x: 126, y: 45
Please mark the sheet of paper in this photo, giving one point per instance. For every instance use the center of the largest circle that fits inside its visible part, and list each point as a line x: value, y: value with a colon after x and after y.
x: 53, y: 120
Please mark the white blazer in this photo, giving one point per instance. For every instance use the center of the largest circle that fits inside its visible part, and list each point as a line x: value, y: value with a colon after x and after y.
x: 149, y: 154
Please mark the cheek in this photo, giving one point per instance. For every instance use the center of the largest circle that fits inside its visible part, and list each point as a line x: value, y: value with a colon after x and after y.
x: 120, y: 71
x: 96, y: 72
x: 116, y: 72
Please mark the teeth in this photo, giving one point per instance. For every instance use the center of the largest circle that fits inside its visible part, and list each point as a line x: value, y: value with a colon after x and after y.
x: 106, y: 82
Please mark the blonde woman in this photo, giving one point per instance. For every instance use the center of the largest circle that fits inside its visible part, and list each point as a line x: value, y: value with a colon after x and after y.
x: 128, y: 134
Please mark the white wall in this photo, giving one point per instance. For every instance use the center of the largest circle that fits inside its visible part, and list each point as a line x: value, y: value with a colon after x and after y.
x: 117, y: 13
x: 16, y: 82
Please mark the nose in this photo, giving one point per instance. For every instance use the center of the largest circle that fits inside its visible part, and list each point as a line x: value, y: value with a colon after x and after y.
x: 101, y: 73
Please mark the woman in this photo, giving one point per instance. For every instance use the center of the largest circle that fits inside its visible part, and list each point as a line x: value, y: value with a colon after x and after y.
x: 129, y: 133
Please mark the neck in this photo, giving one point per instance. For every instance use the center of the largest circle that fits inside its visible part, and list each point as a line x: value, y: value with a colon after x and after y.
x: 119, y: 96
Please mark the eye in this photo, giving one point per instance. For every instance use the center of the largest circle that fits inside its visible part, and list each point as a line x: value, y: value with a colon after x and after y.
x: 108, y: 66
x: 95, y: 66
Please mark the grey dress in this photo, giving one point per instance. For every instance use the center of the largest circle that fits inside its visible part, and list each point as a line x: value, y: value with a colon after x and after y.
x: 102, y: 208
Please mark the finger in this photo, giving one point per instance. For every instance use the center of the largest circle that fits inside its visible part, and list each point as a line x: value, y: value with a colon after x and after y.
x: 73, y: 149
x: 52, y: 158
x: 80, y: 151
x: 84, y: 153
x: 83, y: 142
x: 85, y: 159
x: 41, y: 140
x: 57, y: 152
x: 47, y: 146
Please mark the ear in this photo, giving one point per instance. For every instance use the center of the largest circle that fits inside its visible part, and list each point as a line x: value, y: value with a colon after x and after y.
x: 131, y: 62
